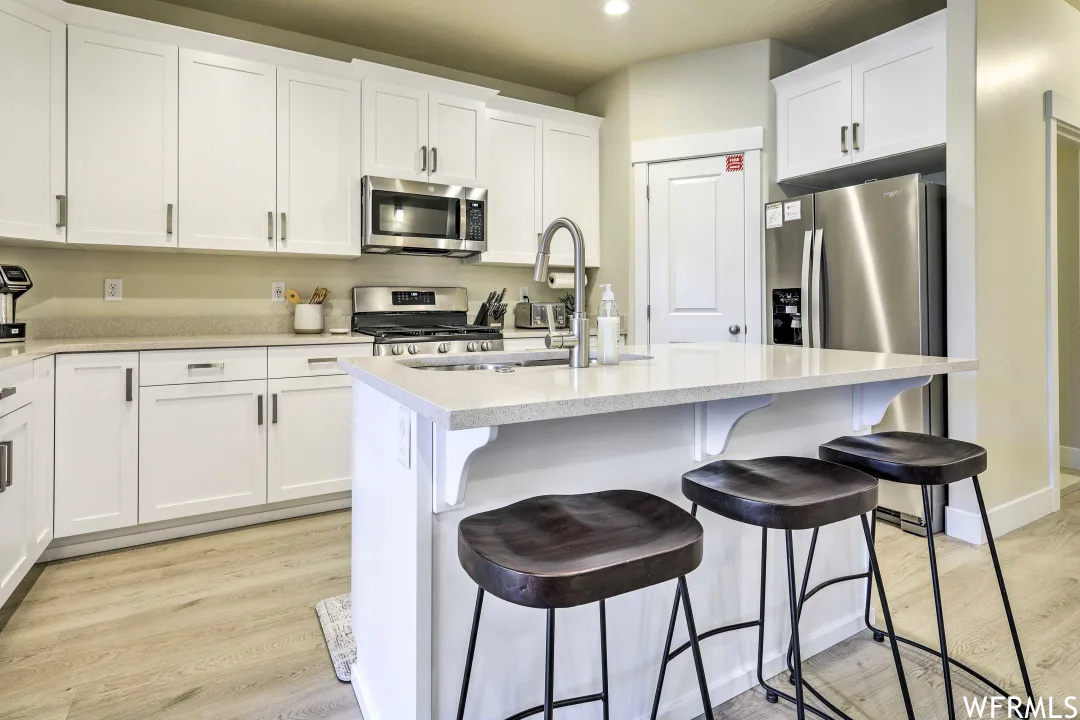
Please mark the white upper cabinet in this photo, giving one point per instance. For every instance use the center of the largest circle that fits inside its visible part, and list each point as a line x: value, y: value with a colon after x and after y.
x: 898, y: 99
x: 814, y: 121
x: 319, y: 164
x: 572, y: 188
x: 455, y: 128
x: 882, y: 98
x: 228, y: 141
x: 32, y: 124
x: 122, y: 109
x: 97, y: 442
x: 513, y: 173
x: 395, y: 131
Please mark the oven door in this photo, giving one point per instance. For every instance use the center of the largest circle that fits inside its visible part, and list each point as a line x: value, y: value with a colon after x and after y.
x: 415, y: 218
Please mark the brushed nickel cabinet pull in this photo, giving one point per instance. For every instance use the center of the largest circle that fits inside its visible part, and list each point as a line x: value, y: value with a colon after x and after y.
x: 855, y: 137
x: 434, y: 159
x: 6, y: 392
x: 423, y: 158
x: 129, y: 393
x: 273, y: 408
x: 169, y: 219
x: 283, y: 227
x: 206, y: 366
x: 843, y: 140
x: 61, y: 211
x: 260, y: 409
x: 319, y: 361
x: 7, y: 460
x: 270, y: 226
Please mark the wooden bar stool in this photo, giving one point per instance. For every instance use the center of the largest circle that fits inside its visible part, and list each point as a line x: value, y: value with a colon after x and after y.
x: 782, y: 493
x: 561, y: 551
x: 928, y: 460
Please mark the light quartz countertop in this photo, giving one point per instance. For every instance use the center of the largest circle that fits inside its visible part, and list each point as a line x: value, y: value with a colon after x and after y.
x: 670, y: 375
x: 12, y: 354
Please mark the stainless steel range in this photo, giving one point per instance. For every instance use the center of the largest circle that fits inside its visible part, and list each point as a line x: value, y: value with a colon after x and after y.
x: 420, y: 321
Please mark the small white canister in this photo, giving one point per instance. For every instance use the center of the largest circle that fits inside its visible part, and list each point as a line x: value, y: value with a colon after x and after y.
x: 308, y: 319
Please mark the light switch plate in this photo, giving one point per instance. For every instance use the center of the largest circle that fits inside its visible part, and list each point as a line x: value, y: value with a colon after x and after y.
x: 404, y: 436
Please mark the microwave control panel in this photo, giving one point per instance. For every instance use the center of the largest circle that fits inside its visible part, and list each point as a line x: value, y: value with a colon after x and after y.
x: 474, y: 218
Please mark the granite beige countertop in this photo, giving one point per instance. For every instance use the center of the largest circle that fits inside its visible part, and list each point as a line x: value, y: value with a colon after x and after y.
x: 15, y: 353
x: 667, y: 375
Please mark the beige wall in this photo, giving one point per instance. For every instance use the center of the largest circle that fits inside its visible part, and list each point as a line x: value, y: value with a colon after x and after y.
x: 714, y: 90
x: 68, y: 283
x: 1023, y: 49
x: 1068, y: 208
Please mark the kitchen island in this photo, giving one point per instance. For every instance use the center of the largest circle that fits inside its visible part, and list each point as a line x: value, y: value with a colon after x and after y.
x: 432, y: 446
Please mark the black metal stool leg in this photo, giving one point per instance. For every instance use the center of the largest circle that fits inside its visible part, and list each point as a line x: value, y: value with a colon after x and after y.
x: 802, y: 598
x: 878, y: 635
x: 549, y: 668
x: 471, y: 653
x: 695, y: 649
x: 875, y: 572
x: 942, y: 641
x: 667, y: 651
x: 1001, y: 586
x: 603, y: 658
x: 800, y: 704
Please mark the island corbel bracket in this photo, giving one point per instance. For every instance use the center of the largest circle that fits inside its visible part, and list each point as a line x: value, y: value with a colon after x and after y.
x: 715, y: 420
x: 870, y: 401
x: 452, y: 454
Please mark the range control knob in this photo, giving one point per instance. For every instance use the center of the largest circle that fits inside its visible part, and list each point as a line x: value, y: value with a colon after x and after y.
x: 473, y: 346
x: 486, y: 345
x: 397, y: 349
x: 444, y: 347
x: 413, y: 349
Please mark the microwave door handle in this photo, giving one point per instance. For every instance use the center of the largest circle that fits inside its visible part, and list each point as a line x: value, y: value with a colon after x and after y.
x: 804, y: 306
x: 815, y: 286
x: 462, y: 219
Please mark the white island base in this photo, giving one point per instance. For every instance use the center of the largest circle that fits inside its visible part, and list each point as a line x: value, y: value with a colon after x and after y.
x: 413, y: 604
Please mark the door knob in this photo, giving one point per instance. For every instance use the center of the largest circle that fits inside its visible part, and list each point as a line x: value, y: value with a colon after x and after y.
x: 735, y: 329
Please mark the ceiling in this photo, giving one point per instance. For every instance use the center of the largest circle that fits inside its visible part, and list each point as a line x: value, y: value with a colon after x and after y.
x: 567, y: 45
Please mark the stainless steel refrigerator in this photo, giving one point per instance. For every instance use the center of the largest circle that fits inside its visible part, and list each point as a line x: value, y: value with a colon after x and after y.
x: 862, y: 268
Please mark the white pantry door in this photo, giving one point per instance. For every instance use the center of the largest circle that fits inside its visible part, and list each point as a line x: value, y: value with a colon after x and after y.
x: 697, y: 236
x: 228, y: 147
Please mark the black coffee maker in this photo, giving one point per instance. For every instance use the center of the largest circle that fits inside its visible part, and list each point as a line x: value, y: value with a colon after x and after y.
x: 14, y: 282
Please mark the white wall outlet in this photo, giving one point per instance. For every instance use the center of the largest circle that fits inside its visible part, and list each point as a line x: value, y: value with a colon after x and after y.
x: 114, y: 289
x: 523, y: 294
x: 404, y: 436
x: 277, y: 292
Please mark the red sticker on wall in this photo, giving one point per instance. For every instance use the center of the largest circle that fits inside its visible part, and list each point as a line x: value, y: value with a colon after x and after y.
x: 735, y: 163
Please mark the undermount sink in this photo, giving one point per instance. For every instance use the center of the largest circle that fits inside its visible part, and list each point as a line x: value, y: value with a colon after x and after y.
x: 511, y: 366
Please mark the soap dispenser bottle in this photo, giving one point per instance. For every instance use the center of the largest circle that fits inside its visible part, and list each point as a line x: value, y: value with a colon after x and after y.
x: 607, y: 329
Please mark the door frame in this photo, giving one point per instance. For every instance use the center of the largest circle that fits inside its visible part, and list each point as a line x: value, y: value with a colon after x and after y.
x: 1062, y: 119
x: 748, y: 141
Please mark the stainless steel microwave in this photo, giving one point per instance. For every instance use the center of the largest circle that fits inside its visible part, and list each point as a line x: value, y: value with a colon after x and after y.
x: 405, y: 217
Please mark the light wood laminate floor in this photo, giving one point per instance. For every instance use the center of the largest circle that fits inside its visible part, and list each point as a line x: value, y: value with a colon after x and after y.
x: 223, y: 626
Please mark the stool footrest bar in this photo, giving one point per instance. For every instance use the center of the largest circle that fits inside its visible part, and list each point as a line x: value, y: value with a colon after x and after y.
x: 581, y: 700
x: 704, y: 636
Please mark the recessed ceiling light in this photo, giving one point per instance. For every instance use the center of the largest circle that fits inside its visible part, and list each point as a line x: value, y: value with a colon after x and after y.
x: 616, y: 7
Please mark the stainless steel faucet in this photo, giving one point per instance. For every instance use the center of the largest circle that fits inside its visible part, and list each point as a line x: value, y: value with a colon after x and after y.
x: 577, y: 339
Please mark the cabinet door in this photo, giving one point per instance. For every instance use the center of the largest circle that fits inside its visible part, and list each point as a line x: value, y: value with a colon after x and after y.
x: 41, y: 501
x: 572, y: 188
x: 455, y: 130
x: 814, y: 124
x: 512, y: 170
x: 15, y: 474
x: 202, y: 448
x: 122, y: 111
x: 228, y: 141
x: 310, y: 426
x: 32, y: 143
x: 319, y: 164
x: 898, y: 100
x: 395, y: 131
x: 97, y: 442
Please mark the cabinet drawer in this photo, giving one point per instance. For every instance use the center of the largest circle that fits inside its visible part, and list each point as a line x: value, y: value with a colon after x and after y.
x: 182, y: 367
x: 311, y: 360
x: 16, y: 387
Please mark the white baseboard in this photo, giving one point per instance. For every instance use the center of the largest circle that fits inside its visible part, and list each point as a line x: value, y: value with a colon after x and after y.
x: 720, y: 691
x: 967, y: 526
x: 1070, y: 457
x: 171, y: 530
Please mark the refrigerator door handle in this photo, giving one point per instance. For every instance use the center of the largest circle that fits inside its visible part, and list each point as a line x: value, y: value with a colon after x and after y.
x: 817, y: 318
x: 804, y: 309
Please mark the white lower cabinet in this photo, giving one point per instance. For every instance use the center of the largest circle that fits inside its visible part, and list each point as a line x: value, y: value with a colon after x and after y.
x: 97, y: 442
x: 16, y: 477
x: 308, y: 450
x: 202, y: 448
